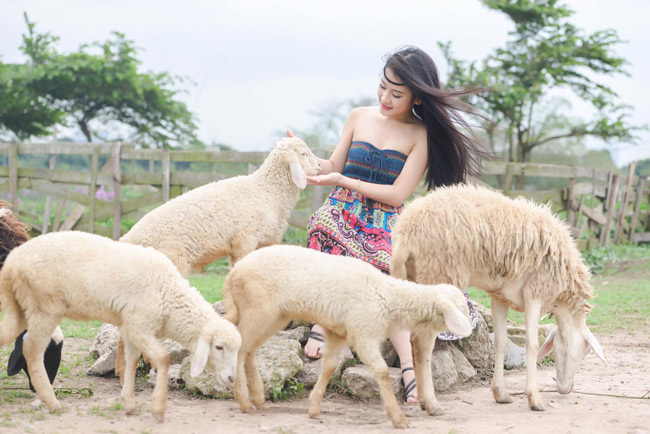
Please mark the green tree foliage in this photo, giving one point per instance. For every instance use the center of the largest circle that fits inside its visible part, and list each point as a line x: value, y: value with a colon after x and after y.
x: 101, y: 83
x: 23, y: 113
x: 545, y: 52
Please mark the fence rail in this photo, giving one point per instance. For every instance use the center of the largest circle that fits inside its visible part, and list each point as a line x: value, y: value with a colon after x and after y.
x: 600, y: 206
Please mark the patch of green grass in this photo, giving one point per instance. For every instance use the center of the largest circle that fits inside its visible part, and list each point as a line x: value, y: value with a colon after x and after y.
x: 621, y: 290
x: 291, y: 388
x: 621, y: 304
x: 209, y: 285
x: 80, y: 329
x: 599, y: 258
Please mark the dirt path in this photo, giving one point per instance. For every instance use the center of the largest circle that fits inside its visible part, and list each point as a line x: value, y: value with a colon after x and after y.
x: 469, y: 409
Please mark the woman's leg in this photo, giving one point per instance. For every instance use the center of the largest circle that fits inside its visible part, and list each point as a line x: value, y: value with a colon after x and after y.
x: 402, y: 342
x: 315, y: 342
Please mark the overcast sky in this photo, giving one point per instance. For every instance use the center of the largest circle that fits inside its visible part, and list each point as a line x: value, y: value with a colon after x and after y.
x: 260, y: 66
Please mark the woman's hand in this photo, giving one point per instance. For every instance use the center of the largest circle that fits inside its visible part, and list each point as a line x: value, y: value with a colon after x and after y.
x: 333, y: 178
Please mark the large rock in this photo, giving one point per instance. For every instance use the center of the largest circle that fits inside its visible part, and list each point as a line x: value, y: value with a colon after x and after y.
x: 388, y: 352
x: 206, y: 383
x: 104, y: 348
x: 300, y: 334
x: 278, y: 360
x: 443, y: 367
x: 358, y: 380
x: 477, y: 348
x: 105, y: 341
x: 103, y: 366
x: 464, y: 368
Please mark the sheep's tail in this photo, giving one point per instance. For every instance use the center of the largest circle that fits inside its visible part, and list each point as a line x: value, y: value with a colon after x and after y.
x: 398, y: 262
x: 13, y: 319
x: 232, y: 313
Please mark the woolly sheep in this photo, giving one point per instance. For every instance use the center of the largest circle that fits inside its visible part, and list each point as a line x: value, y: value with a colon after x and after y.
x: 353, y: 301
x: 231, y: 217
x: 88, y: 277
x: 12, y: 234
x: 516, y: 251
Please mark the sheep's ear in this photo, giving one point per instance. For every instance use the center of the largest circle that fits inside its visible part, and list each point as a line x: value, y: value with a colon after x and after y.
x: 457, y: 322
x: 593, y: 343
x: 547, y: 346
x: 16, y: 358
x: 200, y: 357
x: 298, y: 175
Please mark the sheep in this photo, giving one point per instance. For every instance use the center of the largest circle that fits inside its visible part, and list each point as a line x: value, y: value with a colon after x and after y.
x: 13, y: 233
x: 231, y: 217
x: 88, y: 277
x: 353, y: 301
x: 516, y: 251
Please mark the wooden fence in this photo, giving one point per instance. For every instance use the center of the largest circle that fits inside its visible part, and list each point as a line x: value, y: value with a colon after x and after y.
x: 122, y: 182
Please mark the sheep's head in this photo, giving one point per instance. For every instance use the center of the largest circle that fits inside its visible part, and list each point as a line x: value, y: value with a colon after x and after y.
x: 452, y: 305
x: 302, y: 162
x: 217, y: 349
x: 571, y: 341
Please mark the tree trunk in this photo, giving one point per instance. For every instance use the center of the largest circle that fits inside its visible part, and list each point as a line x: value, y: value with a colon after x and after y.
x: 84, y: 129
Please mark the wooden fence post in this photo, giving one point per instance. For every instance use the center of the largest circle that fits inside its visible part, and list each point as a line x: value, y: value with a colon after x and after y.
x: 117, y: 188
x: 637, y: 207
x: 92, y: 188
x: 13, y: 175
x: 570, y: 212
x: 621, y: 215
x: 611, y: 207
x: 165, y: 175
x: 48, y: 199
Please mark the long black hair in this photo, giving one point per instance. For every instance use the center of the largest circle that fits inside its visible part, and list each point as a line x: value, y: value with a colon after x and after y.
x: 452, y: 154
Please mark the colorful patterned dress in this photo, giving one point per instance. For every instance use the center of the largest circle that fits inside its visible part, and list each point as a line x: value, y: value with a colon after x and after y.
x: 350, y: 224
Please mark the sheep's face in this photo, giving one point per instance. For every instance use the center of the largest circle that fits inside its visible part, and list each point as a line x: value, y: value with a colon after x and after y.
x: 452, y: 306
x: 302, y: 162
x: 217, y: 351
x: 571, y: 341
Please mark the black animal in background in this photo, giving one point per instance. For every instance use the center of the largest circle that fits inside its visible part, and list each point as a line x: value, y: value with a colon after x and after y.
x: 52, y: 357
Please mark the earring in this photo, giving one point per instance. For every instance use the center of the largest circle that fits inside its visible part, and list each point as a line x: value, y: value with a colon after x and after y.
x: 414, y: 113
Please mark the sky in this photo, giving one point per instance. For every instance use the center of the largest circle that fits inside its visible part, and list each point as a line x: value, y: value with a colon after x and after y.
x: 255, y: 68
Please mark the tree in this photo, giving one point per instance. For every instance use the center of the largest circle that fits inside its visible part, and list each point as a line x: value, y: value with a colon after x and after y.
x: 23, y: 113
x: 101, y: 82
x: 546, y: 52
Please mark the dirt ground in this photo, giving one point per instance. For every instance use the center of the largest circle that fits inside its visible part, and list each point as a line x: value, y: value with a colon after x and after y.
x: 469, y: 408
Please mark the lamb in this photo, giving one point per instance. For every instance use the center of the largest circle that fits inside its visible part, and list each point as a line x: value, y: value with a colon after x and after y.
x: 88, y: 277
x: 13, y: 233
x: 231, y: 217
x: 353, y: 301
x: 520, y: 254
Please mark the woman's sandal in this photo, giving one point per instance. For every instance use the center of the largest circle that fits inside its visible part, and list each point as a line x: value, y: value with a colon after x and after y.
x: 317, y: 337
x: 409, y: 388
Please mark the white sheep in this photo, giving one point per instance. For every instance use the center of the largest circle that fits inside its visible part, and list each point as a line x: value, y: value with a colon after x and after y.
x: 353, y: 301
x: 88, y: 277
x: 520, y: 254
x: 231, y: 217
